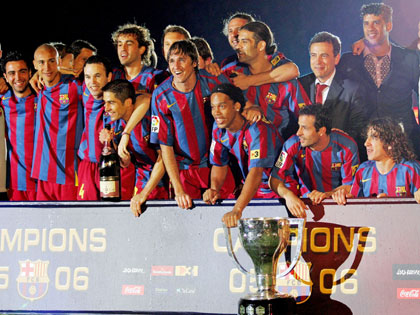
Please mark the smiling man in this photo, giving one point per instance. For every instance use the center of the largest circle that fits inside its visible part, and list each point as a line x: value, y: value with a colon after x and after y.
x: 19, y: 105
x: 255, y: 147
x: 315, y: 162
x: 58, y: 129
x: 391, y: 171
x: 181, y: 123
x: 343, y: 98
x: 119, y: 97
x: 389, y: 73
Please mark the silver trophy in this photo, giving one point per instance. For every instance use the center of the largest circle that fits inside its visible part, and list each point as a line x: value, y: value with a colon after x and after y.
x: 265, y: 240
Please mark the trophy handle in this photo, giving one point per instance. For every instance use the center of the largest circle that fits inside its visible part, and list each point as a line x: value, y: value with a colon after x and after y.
x: 301, y: 225
x: 229, y: 246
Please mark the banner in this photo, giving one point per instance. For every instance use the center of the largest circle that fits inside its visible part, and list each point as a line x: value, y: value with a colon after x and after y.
x: 362, y: 258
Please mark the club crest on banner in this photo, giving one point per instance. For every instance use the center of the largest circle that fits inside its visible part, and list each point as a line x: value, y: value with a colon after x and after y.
x: 33, y: 280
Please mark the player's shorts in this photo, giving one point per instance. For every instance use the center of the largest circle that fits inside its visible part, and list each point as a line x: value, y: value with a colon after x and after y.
x: 21, y: 195
x: 128, y: 179
x: 55, y: 192
x: 88, y: 175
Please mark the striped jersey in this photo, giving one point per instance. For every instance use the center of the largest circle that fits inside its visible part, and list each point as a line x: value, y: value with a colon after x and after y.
x: 184, y: 120
x: 94, y: 111
x: 143, y: 82
x: 303, y: 169
x: 279, y: 101
x: 20, y: 128
x: 403, y: 180
x: 58, y: 129
x: 254, y: 145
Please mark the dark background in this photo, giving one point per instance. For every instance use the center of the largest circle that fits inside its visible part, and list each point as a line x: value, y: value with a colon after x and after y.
x: 293, y: 22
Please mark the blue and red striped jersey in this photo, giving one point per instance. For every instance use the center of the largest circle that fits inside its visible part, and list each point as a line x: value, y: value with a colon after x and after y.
x: 403, y: 180
x: 20, y: 128
x: 303, y: 169
x: 254, y: 145
x: 183, y: 120
x: 58, y: 129
x: 90, y: 147
x: 279, y: 101
x: 228, y: 64
x: 143, y: 82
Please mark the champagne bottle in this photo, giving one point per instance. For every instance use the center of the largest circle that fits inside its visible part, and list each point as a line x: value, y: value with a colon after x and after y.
x: 109, y: 172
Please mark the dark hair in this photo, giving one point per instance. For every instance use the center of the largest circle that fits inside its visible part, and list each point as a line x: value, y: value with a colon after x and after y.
x: 143, y: 38
x: 326, y: 37
x: 234, y: 93
x: 322, y: 117
x: 377, y: 9
x: 262, y: 33
x: 393, y: 137
x: 13, y: 56
x: 175, y: 29
x: 186, y: 47
x: 203, y: 47
x: 122, y: 89
x: 94, y: 59
x: 62, y: 48
x: 237, y: 15
x: 77, y: 46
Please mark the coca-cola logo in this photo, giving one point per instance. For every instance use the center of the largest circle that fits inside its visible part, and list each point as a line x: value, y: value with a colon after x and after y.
x: 408, y: 293
x: 130, y: 289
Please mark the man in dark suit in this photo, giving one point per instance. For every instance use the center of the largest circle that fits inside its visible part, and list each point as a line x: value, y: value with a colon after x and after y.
x: 388, y: 73
x: 342, y: 97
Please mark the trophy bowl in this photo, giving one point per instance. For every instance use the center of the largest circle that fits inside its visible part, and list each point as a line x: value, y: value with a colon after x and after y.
x: 265, y: 240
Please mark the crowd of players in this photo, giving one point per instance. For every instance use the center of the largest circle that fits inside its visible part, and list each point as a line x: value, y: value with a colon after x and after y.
x: 247, y: 128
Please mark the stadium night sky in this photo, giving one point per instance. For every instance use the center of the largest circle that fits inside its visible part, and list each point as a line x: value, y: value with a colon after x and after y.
x: 24, y: 27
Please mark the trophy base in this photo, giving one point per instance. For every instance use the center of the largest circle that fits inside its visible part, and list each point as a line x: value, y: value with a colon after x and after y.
x: 276, y: 306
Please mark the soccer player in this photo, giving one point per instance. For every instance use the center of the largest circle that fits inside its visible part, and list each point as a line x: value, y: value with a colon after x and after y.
x: 283, y: 69
x: 136, y: 54
x: 205, y: 54
x: 119, y: 97
x: 277, y: 102
x: 255, y: 146
x: 392, y: 169
x: 315, y: 162
x: 58, y: 128
x: 19, y: 104
x: 97, y: 73
x: 181, y: 123
x: 81, y: 50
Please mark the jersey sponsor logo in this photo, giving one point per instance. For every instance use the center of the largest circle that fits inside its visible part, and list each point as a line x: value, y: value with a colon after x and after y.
x: 5, y: 98
x: 365, y: 180
x: 400, y: 191
x: 281, y: 159
x: 336, y: 166
x: 270, y: 98
x: 263, y: 119
x: 170, y: 105
x: 255, y: 154
x: 155, y: 123
x: 64, y: 99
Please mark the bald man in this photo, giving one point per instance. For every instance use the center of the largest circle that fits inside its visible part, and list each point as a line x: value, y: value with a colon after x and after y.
x: 59, y: 123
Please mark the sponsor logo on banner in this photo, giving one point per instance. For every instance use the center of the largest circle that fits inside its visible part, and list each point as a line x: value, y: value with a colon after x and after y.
x: 408, y: 293
x: 33, y: 280
x: 406, y: 272
x: 161, y: 290
x: 182, y: 271
x: 162, y: 270
x: 131, y: 289
x: 185, y: 291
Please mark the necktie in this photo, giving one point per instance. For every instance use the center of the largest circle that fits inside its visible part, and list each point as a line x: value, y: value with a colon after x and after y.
x: 318, y: 95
